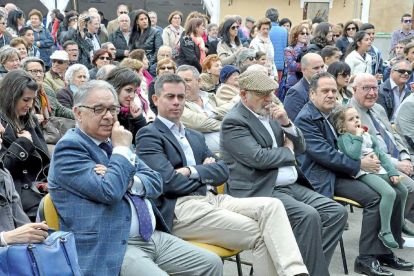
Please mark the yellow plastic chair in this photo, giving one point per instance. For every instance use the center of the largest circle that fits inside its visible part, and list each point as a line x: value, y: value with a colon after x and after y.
x: 47, y: 212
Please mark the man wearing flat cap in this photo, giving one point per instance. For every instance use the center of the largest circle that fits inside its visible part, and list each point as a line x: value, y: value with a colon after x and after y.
x: 189, y: 203
x: 249, y: 23
x: 55, y: 78
x: 259, y: 142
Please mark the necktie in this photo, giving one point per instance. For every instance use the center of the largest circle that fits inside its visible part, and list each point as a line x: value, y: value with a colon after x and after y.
x: 392, y: 148
x: 144, y: 218
x: 107, y: 148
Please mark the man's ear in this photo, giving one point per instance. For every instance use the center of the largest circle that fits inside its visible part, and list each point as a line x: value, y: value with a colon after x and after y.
x: 312, y: 94
x: 155, y: 99
x: 78, y: 113
x: 243, y: 94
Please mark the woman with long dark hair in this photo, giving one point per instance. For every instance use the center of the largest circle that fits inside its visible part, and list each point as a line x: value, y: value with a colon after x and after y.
x: 24, y: 151
x: 192, y: 47
x: 342, y: 72
x: 143, y: 36
x: 15, y: 22
x: 322, y: 37
x: 230, y: 46
x: 348, y: 33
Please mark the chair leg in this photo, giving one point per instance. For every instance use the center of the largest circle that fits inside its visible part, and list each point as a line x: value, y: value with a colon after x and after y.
x: 351, y: 208
x: 341, y: 244
x: 251, y: 271
x: 238, y: 262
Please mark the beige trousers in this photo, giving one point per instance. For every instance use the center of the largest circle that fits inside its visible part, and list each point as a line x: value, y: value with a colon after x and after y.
x: 259, y: 224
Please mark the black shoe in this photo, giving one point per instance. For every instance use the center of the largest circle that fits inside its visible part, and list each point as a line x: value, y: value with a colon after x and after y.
x: 373, y: 269
x: 394, y: 262
x: 346, y: 226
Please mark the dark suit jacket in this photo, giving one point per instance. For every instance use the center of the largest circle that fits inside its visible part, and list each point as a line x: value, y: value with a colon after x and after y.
x: 160, y: 150
x: 386, y: 97
x: 246, y: 146
x: 296, y: 97
x: 321, y: 161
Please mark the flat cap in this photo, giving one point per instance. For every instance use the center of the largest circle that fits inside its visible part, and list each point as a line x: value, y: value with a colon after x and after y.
x: 250, y: 19
x: 258, y: 82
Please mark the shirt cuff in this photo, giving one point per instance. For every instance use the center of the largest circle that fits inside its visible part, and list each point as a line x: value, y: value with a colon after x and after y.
x: 137, y: 187
x: 125, y: 152
x: 194, y: 173
x: 404, y: 156
x: 394, y: 162
x: 291, y: 130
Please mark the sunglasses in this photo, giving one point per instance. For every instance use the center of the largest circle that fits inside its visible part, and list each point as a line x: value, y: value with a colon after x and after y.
x: 58, y: 61
x: 343, y: 74
x: 403, y: 71
x: 166, y: 67
x: 351, y: 29
x: 305, y: 33
x: 234, y: 27
x: 123, y: 12
x: 336, y: 35
x: 103, y: 58
x: 408, y: 21
x: 251, y: 58
x: 73, y: 19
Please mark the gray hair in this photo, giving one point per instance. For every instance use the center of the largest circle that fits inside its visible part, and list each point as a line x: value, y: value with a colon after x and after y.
x: 73, y: 69
x: 94, y: 16
x: 272, y: 14
x: 102, y: 72
x: 106, y: 45
x: 163, y: 47
x: 26, y: 61
x: 239, y: 19
x: 3, y: 11
x: 258, y: 67
x: 85, y: 89
x: 118, y: 19
x: 398, y: 62
x: 154, y: 13
x: 314, y: 81
x: 7, y: 52
x: 211, y: 25
x: 122, y: 5
x: 191, y: 68
x: 168, y: 78
x: 243, y: 55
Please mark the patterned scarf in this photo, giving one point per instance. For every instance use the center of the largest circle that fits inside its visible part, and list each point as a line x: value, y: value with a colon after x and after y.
x: 199, y: 41
x: 46, y: 110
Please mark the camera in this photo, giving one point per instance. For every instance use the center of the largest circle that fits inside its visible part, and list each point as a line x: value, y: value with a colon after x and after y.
x: 87, y: 18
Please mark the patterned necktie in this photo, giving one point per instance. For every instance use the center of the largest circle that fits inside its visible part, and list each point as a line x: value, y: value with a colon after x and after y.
x: 107, y: 148
x: 144, y: 218
x: 392, y: 148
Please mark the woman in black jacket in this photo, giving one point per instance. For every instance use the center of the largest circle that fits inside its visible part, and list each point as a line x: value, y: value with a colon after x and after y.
x: 192, y: 47
x: 143, y: 36
x: 126, y: 82
x: 322, y: 37
x: 24, y: 151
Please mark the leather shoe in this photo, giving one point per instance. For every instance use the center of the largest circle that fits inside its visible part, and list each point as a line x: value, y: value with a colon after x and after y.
x: 372, y: 269
x: 394, y: 262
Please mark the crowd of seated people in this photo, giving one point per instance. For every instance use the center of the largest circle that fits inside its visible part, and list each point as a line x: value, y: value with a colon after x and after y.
x: 286, y: 115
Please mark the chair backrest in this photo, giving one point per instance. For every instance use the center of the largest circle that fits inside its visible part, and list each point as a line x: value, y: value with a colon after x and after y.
x: 50, y: 213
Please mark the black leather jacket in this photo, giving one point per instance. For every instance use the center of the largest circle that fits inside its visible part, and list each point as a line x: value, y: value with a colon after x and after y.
x: 151, y: 44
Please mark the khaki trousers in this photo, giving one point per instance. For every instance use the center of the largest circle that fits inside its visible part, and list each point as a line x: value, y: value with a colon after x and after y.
x: 259, y: 224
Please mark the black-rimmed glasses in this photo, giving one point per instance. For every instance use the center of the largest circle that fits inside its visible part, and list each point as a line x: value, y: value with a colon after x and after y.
x: 100, y: 111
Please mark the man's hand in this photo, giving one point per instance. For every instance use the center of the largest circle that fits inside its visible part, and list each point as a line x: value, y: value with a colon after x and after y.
x: 370, y: 163
x: 120, y: 136
x: 28, y: 233
x: 100, y: 169
x: 25, y: 133
x: 126, y: 53
x: 135, y: 110
x: 278, y: 113
x: 184, y: 171
x: 395, y: 179
x: 289, y: 144
x: 405, y: 166
x: 392, y: 61
x: 378, y: 76
x: 209, y: 160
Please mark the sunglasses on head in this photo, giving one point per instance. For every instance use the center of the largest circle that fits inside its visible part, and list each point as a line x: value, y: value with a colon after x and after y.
x: 408, y: 21
x: 234, y: 27
x: 351, y: 29
x: 58, y: 61
x: 403, y: 71
x: 103, y: 58
x: 166, y: 67
x: 336, y: 35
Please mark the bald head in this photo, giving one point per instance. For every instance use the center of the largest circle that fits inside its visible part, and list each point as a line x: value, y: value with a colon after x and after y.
x: 92, y: 10
x: 164, y: 52
x: 9, y: 7
x: 311, y: 64
x: 124, y: 22
x: 365, y: 90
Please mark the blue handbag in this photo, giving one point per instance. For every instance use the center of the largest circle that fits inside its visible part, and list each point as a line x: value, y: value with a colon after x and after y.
x: 55, y: 256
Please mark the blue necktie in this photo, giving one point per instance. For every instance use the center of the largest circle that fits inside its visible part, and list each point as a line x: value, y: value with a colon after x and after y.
x: 392, y: 148
x: 107, y: 148
x: 144, y: 218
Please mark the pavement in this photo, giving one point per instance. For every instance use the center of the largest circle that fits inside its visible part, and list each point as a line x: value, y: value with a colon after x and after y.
x: 351, y: 239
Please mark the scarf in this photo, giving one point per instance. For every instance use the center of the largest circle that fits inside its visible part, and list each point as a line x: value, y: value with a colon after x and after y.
x: 200, y: 43
x: 74, y: 88
x: 143, y: 100
x: 148, y: 77
x: 45, y: 105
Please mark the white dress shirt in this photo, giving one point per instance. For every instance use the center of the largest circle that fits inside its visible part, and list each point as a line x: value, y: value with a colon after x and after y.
x: 398, y: 97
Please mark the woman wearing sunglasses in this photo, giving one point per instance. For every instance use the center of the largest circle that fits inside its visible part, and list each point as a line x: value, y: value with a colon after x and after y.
x: 342, y: 72
x: 336, y: 33
x: 262, y: 43
x: 230, y: 46
x: 348, y: 33
x: 192, y: 46
x: 101, y: 58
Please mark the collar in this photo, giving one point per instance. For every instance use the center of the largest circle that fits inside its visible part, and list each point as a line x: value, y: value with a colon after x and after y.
x: 203, y: 94
x: 361, y: 107
x: 54, y: 75
x: 409, y: 31
x: 260, y: 117
x: 170, y: 125
x: 96, y: 141
x: 314, y: 112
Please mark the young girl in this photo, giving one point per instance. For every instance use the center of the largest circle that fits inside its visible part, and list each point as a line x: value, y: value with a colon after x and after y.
x: 356, y: 143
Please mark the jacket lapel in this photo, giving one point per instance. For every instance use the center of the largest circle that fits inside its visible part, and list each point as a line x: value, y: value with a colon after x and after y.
x: 101, y: 155
x: 170, y: 137
x: 195, y: 146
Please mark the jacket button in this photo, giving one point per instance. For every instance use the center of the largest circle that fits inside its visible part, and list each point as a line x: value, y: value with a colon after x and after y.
x: 24, y: 171
x: 123, y: 241
x: 26, y: 186
x: 22, y: 154
x: 128, y: 218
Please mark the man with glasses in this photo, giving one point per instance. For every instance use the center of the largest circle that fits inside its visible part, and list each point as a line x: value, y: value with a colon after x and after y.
x: 113, y: 25
x: 405, y: 31
x: 154, y: 19
x: 112, y: 49
x: 394, y: 90
x: 72, y: 49
x: 120, y: 38
x: 245, y: 58
x: 55, y: 78
x: 163, y: 52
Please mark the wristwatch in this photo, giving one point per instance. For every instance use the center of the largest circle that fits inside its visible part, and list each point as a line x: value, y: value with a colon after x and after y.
x: 288, y: 125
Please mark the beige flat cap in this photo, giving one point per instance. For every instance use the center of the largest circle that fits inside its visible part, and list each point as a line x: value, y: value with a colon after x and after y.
x: 258, y: 82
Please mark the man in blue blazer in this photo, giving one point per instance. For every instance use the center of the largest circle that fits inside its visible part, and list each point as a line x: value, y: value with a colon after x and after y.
x: 102, y: 193
x: 189, y: 203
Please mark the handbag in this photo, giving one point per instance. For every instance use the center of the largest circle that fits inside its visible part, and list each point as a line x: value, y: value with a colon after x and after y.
x: 55, y: 128
x: 55, y: 256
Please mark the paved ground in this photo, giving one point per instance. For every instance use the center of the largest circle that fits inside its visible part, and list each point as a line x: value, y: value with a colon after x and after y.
x: 351, y: 238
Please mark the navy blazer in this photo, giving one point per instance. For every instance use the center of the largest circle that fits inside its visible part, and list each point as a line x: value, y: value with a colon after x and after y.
x: 296, y: 97
x: 321, y: 161
x: 160, y: 150
x: 386, y: 97
x: 95, y: 207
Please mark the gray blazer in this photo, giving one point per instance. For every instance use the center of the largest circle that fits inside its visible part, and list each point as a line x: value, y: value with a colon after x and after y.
x: 404, y: 123
x: 246, y: 147
x: 382, y: 116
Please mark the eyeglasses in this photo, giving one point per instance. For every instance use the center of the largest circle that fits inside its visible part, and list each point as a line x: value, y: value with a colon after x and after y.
x: 251, y: 58
x: 403, y: 71
x: 100, y: 111
x: 103, y: 58
x: 176, y: 18
x: 343, y: 74
x: 408, y: 21
x: 123, y: 12
x: 304, y: 33
x: 166, y: 67
x: 58, y: 61
x: 369, y: 88
x: 234, y: 27
x: 36, y: 72
x: 336, y: 35
x: 73, y: 19
x: 351, y: 29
